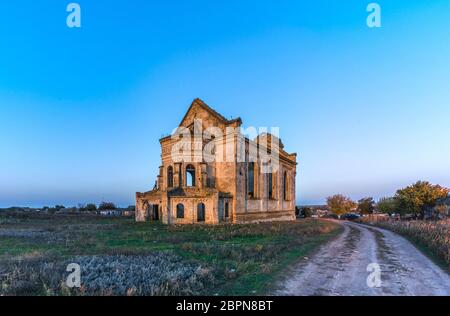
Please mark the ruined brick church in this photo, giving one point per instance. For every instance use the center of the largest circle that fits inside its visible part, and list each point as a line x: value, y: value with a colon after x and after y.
x: 199, y: 189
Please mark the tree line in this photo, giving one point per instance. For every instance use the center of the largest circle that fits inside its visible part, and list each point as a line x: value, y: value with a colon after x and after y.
x: 414, y: 200
x: 88, y: 208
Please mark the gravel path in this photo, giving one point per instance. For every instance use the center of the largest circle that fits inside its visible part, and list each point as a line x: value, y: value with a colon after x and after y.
x: 340, y: 267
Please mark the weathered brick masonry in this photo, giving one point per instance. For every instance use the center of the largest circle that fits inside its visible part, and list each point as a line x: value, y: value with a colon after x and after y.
x: 236, y: 191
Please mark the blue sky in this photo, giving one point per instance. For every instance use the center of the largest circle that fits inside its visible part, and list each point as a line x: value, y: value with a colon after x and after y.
x: 81, y: 110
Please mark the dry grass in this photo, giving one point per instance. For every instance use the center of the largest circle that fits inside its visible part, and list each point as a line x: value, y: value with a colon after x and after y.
x: 154, y: 274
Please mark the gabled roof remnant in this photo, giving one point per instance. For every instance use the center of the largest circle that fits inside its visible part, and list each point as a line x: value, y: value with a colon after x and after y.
x: 213, y: 112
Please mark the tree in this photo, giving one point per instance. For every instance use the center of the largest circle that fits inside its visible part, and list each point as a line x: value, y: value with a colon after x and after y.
x: 91, y: 207
x: 415, y: 198
x: 87, y: 208
x: 340, y: 204
x: 366, y: 205
x: 107, y: 206
x: 387, y: 205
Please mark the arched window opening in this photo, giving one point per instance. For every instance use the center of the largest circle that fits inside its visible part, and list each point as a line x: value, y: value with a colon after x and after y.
x: 190, y: 176
x: 170, y: 177
x: 201, y: 212
x: 285, y: 186
x: 180, y: 211
x: 251, y: 180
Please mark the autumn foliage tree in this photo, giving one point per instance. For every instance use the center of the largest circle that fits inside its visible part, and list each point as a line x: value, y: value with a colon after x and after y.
x: 340, y: 204
x: 366, y: 205
x: 416, y: 198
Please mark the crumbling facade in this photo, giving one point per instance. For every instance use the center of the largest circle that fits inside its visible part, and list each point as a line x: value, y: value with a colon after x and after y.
x: 220, y: 177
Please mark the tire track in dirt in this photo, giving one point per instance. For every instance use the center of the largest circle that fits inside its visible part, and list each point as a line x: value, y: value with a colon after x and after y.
x: 340, y: 267
x: 406, y: 270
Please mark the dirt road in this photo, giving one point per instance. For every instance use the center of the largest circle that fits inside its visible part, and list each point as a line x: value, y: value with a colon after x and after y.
x: 340, y: 267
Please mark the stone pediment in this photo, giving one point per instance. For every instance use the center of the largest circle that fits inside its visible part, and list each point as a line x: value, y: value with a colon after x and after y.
x: 200, y: 111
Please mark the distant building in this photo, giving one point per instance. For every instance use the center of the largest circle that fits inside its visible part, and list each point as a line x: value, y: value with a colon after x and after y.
x: 128, y: 213
x: 442, y: 209
x: 111, y: 213
x: 316, y: 210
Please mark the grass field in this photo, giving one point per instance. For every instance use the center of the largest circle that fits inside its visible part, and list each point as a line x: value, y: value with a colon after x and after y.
x: 120, y: 257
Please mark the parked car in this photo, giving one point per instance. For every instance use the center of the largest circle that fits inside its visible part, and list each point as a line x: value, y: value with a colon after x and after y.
x: 331, y: 216
x: 350, y: 217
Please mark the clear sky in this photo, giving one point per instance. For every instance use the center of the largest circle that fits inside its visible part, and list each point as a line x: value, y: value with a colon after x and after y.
x: 81, y: 110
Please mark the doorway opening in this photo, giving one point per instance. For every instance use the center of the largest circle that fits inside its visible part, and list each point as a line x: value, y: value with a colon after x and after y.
x: 155, y: 212
x: 201, y: 212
